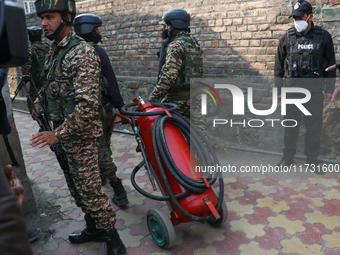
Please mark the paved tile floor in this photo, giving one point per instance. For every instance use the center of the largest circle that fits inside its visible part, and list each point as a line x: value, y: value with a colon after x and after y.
x: 268, y: 214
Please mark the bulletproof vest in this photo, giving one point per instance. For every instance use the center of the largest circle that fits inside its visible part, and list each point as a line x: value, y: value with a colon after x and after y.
x: 58, y: 88
x: 192, y: 62
x: 304, y: 57
x: 39, y: 51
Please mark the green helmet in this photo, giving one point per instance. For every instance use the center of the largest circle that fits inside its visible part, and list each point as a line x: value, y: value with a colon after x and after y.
x: 64, y: 6
x: 34, y: 30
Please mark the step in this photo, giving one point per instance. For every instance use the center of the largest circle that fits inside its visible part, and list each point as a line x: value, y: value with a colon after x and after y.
x: 20, y: 104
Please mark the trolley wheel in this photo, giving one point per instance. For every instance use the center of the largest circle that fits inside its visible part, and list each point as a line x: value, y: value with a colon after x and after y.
x: 161, y: 228
x: 223, y: 213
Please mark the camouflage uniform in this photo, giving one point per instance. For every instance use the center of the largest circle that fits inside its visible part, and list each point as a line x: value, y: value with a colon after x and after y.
x: 87, y: 27
x: 172, y: 88
x: 72, y: 93
x: 34, y: 65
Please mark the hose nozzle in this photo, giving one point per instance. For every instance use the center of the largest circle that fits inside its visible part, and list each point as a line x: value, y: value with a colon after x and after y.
x: 152, y: 180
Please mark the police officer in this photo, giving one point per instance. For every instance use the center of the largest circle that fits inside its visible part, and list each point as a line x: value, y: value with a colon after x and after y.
x: 35, y: 63
x: 71, y: 93
x: 183, y: 61
x: 304, y: 52
x: 86, y: 26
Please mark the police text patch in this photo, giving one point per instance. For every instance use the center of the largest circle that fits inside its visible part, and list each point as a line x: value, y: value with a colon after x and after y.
x: 305, y: 46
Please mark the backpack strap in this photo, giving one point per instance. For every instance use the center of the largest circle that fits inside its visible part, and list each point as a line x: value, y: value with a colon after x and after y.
x: 292, y: 34
x: 73, y: 42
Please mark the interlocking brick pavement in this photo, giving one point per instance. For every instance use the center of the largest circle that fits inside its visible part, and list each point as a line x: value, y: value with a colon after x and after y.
x: 268, y: 214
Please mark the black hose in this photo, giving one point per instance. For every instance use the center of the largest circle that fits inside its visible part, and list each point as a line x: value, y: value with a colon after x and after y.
x: 196, y: 186
x: 149, y: 195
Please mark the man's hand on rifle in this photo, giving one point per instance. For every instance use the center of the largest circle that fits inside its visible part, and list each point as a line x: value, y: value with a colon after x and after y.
x: 38, y: 107
x: 43, y: 139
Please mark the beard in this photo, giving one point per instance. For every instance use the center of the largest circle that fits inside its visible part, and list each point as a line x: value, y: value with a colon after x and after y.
x: 165, y: 34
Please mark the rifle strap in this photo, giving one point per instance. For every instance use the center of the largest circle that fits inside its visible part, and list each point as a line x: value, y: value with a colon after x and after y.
x: 10, y: 152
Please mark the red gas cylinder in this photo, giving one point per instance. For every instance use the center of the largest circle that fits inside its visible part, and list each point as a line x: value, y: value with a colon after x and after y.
x: 180, y: 152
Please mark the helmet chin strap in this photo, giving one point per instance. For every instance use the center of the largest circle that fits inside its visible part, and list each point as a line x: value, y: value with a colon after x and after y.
x: 56, y: 32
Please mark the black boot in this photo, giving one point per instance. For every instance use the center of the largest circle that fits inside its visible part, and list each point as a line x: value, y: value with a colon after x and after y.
x: 119, y: 197
x: 287, y: 160
x: 314, y: 165
x: 115, y: 246
x: 89, y: 234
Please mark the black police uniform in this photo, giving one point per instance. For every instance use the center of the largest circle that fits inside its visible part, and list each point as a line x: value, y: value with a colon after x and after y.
x: 112, y: 90
x: 305, y: 56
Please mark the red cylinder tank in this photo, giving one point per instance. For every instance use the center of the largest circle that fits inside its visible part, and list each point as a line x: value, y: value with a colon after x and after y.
x: 183, y: 158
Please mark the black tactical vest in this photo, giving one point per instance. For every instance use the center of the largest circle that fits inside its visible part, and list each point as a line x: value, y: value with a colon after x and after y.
x: 304, y: 57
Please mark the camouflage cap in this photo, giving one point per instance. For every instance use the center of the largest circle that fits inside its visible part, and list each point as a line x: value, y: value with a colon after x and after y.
x: 162, y: 22
x: 43, y: 6
x: 34, y: 30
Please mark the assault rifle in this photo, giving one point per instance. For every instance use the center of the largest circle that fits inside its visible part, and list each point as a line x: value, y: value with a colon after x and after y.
x: 45, y: 125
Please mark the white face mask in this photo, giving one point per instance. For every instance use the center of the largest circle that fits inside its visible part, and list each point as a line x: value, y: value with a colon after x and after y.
x: 301, y: 25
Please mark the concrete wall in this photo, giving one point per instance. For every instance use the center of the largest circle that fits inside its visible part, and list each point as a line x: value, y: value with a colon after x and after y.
x: 239, y: 39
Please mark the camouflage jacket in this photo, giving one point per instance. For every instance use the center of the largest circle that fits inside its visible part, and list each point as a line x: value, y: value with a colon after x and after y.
x: 36, y: 59
x: 172, y: 68
x: 76, y: 80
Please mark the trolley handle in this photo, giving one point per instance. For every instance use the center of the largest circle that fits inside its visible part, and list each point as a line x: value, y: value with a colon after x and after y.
x: 114, y: 121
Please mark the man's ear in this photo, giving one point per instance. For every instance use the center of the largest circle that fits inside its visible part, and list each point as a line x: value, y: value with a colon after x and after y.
x: 69, y: 18
x: 311, y: 17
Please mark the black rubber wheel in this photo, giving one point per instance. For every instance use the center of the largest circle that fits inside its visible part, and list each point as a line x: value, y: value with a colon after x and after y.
x: 223, y: 213
x: 161, y: 228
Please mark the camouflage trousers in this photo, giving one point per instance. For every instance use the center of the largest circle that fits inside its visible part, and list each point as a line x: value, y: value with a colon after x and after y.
x: 84, y: 183
x: 106, y: 165
x: 191, y: 110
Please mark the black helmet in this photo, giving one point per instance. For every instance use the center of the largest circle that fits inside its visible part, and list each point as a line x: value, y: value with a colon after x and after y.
x: 84, y: 23
x: 34, y: 31
x: 178, y: 18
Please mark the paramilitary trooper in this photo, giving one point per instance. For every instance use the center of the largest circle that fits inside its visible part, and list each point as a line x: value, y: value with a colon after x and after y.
x: 183, y: 60
x: 86, y: 26
x: 304, y: 52
x: 71, y: 94
x: 35, y: 63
